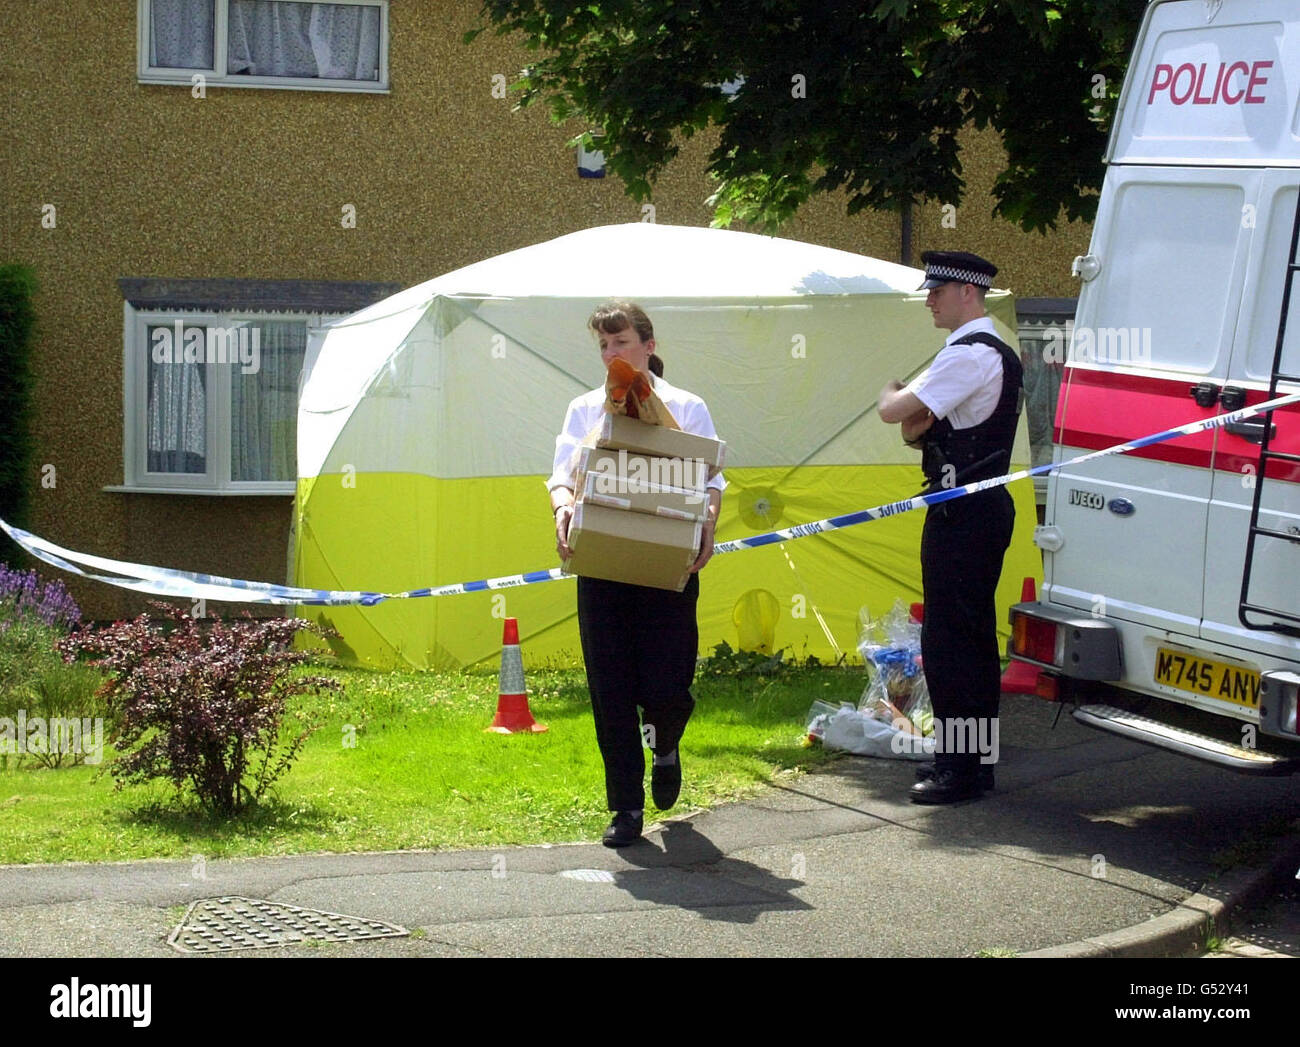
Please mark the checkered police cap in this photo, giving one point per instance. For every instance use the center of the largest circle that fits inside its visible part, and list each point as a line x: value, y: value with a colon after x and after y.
x: 942, y: 267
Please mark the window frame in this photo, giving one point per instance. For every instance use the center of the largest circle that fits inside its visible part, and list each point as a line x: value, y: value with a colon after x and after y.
x: 217, y: 75
x: 1035, y: 318
x: 215, y: 480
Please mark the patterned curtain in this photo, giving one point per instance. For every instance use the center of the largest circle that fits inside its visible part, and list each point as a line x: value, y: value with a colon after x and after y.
x: 180, y: 34
x: 286, y: 38
x: 264, y: 403
x: 177, y: 426
x: 269, y: 38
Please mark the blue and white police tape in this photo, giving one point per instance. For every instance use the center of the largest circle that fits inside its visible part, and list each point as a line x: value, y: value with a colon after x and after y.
x: 836, y: 523
x: 161, y: 581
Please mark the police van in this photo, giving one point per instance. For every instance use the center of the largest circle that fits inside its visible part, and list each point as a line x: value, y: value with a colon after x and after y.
x: 1174, y: 571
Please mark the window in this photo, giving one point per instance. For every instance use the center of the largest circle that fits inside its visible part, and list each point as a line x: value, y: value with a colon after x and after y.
x: 1045, y: 327
x: 213, y: 400
x: 1160, y: 221
x: 211, y: 370
x: 329, y: 45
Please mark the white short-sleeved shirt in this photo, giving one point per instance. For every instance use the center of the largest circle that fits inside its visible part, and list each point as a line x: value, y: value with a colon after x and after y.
x: 964, y: 383
x: 585, y: 412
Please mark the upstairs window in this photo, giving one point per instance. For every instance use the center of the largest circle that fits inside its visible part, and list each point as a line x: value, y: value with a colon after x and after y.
x: 329, y: 45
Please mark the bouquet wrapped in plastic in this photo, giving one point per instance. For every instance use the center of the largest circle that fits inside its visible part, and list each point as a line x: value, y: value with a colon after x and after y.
x: 896, y: 693
x: 893, y: 717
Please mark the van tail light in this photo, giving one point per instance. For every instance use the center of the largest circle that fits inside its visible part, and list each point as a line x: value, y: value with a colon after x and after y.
x: 1061, y: 639
x: 1036, y: 640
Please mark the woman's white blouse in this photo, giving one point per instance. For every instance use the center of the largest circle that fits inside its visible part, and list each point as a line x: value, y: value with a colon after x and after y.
x: 585, y: 412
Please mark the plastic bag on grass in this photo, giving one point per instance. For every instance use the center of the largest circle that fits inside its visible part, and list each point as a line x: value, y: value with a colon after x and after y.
x: 815, y: 722
x: 852, y: 730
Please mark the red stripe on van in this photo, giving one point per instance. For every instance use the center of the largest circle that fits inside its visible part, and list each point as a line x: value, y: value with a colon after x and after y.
x: 1099, y: 409
x: 1104, y: 408
x: 1236, y: 452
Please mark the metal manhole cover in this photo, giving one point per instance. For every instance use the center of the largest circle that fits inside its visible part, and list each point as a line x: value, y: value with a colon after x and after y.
x: 214, y: 925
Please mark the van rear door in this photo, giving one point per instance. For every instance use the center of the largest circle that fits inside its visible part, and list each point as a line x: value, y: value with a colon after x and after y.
x: 1275, y: 574
x: 1153, y: 326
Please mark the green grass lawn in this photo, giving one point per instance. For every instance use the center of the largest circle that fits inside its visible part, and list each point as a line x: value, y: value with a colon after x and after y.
x: 423, y: 774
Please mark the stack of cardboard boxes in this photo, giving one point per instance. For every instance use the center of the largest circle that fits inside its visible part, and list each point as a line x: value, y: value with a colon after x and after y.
x: 641, y: 502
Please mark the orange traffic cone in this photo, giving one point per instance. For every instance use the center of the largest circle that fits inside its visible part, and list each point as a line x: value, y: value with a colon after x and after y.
x: 1021, y: 677
x: 513, y: 714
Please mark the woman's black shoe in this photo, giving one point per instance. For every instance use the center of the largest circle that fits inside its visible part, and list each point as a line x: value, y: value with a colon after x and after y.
x: 666, y: 782
x: 624, y: 829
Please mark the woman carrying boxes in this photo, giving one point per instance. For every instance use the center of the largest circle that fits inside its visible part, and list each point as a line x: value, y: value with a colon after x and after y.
x: 639, y: 641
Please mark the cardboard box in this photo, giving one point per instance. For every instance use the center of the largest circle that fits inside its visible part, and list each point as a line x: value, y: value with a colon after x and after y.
x: 628, y: 434
x: 617, y: 492
x: 619, y: 469
x: 632, y: 547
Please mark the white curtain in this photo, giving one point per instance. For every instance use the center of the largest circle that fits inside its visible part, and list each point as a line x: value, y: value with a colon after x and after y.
x: 269, y: 38
x: 177, y: 422
x: 287, y: 38
x: 264, y: 404
x: 180, y: 34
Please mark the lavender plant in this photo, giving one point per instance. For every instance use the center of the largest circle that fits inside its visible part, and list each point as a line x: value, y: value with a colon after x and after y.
x: 36, y: 688
x: 202, y: 707
x: 24, y: 596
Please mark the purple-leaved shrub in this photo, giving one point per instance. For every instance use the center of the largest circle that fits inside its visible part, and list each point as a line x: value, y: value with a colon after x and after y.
x: 203, y: 707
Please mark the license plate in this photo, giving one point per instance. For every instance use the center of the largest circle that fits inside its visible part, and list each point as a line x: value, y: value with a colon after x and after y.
x: 1190, y: 672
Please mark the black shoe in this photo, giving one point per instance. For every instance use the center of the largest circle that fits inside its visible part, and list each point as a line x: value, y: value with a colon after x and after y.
x: 624, y: 829
x: 666, y: 782
x: 985, y: 775
x: 946, y: 786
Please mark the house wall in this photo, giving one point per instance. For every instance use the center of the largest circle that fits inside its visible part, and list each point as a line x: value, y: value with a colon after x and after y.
x: 150, y: 181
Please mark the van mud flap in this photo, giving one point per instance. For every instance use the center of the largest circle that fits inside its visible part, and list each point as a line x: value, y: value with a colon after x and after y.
x: 1184, y: 742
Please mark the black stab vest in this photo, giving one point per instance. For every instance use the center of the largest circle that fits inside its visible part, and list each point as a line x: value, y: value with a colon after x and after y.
x: 983, y: 451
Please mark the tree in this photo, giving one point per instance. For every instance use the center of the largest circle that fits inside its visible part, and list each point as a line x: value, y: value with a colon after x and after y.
x: 865, y: 96
x: 17, y: 327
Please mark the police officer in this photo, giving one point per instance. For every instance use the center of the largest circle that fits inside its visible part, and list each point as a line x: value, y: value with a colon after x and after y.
x: 961, y: 413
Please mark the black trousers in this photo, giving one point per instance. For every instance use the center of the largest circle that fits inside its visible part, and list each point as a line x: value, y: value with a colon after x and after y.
x: 962, y: 547
x: 639, y: 645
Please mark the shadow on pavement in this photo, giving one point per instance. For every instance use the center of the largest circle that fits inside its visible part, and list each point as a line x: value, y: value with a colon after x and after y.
x: 715, y: 886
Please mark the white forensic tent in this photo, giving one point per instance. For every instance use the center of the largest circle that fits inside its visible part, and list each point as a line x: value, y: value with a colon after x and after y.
x: 427, y: 425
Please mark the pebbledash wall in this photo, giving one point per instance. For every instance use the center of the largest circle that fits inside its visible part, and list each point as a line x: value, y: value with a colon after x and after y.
x: 117, y: 189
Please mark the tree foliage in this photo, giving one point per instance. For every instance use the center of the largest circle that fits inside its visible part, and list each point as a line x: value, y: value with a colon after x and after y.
x: 17, y: 327
x: 867, y: 97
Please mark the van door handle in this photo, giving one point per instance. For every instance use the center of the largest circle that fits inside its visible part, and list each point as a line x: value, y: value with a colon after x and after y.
x: 1233, y: 398
x: 1252, y: 429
